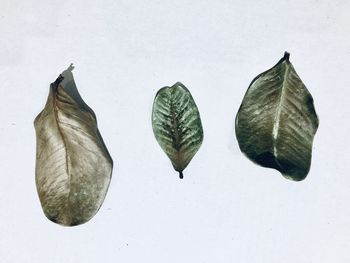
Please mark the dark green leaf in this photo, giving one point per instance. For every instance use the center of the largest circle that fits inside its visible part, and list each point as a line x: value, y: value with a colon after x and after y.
x: 276, y: 122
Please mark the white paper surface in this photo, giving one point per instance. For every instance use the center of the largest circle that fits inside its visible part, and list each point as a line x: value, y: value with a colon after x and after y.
x: 226, y: 209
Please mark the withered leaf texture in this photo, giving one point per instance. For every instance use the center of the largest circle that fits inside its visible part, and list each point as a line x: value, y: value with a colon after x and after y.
x: 73, y: 166
x: 177, y: 125
x: 276, y: 122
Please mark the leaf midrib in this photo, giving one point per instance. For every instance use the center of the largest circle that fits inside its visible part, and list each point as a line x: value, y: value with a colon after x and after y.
x: 177, y: 136
x: 276, y: 125
x: 57, y: 119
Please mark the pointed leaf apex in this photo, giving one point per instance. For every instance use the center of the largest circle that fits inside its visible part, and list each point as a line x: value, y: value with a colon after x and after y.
x: 71, y: 67
x: 286, y: 56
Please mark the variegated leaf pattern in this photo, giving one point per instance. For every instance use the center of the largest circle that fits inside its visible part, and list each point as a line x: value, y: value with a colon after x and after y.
x: 177, y: 125
x: 73, y: 166
x: 276, y: 122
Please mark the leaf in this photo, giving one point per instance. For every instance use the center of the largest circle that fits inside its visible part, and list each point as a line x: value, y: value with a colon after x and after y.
x: 177, y: 125
x: 73, y: 166
x: 276, y: 122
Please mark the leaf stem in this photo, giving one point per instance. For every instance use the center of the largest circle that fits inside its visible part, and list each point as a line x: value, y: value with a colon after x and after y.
x: 71, y: 67
x: 181, y: 175
x: 286, y: 56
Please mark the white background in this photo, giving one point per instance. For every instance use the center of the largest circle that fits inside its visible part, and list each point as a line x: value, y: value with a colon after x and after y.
x: 226, y: 209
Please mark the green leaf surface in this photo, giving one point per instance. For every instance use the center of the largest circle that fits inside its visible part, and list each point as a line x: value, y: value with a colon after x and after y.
x: 276, y: 122
x: 177, y: 125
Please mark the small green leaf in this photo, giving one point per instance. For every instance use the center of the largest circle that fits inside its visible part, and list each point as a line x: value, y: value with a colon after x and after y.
x: 177, y: 125
x: 276, y: 122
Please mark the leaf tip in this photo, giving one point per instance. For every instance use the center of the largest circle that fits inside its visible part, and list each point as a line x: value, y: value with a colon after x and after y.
x: 71, y: 67
x: 286, y: 56
x: 178, y: 83
x: 67, y: 75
